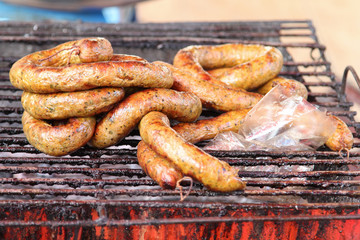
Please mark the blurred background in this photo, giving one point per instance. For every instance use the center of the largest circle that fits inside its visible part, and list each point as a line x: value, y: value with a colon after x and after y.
x: 336, y: 21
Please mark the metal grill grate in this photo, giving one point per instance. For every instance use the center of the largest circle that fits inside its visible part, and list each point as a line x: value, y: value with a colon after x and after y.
x: 109, y: 181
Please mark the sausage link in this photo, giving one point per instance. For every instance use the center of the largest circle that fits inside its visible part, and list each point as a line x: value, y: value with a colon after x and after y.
x: 92, y: 75
x: 158, y: 168
x: 218, y: 97
x: 163, y: 171
x: 65, y: 69
x: 206, y: 129
x: 216, y: 175
x: 293, y: 86
x: 342, y: 138
x: 242, y: 66
x: 80, y: 51
x: 121, y: 120
x: 61, y: 139
x: 71, y: 104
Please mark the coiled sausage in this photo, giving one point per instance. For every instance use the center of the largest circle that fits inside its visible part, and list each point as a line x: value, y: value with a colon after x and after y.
x: 61, y: 138
x: 215, y: 174
x: 218, y: 97
x: 163, y: 171
x: 71, y: 104
x: 119, y: 122
x: 241, y: 66
x: 82, y: 65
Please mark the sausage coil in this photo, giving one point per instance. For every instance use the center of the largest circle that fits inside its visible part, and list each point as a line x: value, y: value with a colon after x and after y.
x: 71, y: 104
x: 216, y: 175
x: 59, y: 139
x: 163, y: 171
x: 241, y: 66
x: 82, y: 65
x: 218, y: 97
x: 119, y: 122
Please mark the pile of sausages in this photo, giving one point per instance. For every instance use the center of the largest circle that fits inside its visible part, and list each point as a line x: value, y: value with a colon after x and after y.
x: 80, y: 93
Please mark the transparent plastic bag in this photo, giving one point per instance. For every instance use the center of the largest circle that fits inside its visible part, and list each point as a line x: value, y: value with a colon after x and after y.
x: 281, y: 121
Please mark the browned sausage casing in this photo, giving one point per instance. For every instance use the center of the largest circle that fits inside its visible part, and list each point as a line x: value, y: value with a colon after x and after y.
x: 242, y: 66
x: 158, y: 168
x: 71, y: 104
x: 127, y: 57
x: 216, y: 175
x: 73, y: 52
x: 58, y: 140
x: 119, y: 122
x: 164, y: 172
x: 213, y: 96
x: 342, y: 138
x: 65, y: 69
x: 295, y: 87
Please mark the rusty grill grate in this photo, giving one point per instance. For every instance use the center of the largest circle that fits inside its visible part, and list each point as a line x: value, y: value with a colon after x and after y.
x: 107, y: 187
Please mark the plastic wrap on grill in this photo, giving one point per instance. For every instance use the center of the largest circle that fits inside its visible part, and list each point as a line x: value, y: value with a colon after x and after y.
x: 281, y: 121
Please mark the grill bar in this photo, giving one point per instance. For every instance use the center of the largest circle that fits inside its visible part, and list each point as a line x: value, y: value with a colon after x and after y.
x: 157, y: 41
x: 75, y: 183
x: 139, y: 172
x: 176, y: 204
x: 220, y: 154
x: 140, y: 34
x: 200, y: 220
x: 87, y: 171
x: 245, y: 160
x: 163, y: 193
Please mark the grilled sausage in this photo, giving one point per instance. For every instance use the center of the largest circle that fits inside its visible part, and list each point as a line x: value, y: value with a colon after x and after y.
x: 80, y: 51
x: 82, y: 65
x: 71, y: 104
x: 119, y: 122
x: 167, y: 174
x: 206, y: 129
x: 241, y: 66
x: 127, y: 57
x: 218, y: 97
x: 295, y: 87
x: 158, y: 168
x: 216, y: 175
x: 58, y: 139
x: 163, y: 171
x: 342, y: 138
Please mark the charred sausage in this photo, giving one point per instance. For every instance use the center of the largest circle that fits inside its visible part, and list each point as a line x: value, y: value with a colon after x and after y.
x: 118, y: 123
x: 61, y: 138
x: 163, y: 171
x: 71, y: 104
x: 241, y: 66
x: 215, y: 174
